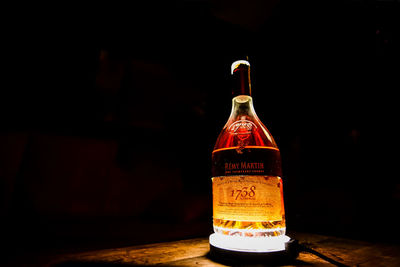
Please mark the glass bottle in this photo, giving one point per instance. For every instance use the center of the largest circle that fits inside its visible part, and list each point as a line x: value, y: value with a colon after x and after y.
x: 246, y: 170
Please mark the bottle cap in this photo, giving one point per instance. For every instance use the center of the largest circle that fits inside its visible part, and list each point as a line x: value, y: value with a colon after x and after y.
x: 238, y: 63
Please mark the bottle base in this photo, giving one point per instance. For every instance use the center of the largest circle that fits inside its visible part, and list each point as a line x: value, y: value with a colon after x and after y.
x: 256, y: 233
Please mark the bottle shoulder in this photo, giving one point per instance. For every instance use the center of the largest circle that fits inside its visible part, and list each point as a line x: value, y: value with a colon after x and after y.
x: 243, y: 127
x: 245, y: 131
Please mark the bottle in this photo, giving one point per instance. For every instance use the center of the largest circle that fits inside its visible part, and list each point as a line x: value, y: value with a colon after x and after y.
x: 246, y: 170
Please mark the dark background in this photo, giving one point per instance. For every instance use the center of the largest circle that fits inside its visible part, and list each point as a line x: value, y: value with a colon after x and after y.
x: 109, y: 115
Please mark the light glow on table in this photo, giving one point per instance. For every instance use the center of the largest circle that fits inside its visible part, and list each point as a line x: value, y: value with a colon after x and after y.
x: 249, y: 244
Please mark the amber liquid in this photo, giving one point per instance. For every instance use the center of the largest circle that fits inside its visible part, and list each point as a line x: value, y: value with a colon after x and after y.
x: 249, y: 229
x: 252, y: 161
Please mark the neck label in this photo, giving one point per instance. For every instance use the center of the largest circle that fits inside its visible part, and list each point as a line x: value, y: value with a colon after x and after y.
x: 242, y: 128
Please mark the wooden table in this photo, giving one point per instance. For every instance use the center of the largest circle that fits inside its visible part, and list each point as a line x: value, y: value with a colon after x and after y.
x: 322, y: 251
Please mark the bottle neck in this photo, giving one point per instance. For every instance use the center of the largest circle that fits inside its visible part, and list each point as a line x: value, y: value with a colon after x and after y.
x: 241, y: 80
x: 242, y: 107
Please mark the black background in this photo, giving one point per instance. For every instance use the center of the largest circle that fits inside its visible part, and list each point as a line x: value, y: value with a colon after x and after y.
x: 129, y: 99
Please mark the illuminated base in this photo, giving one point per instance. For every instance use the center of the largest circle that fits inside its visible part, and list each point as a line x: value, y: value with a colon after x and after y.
x: 233, y: 249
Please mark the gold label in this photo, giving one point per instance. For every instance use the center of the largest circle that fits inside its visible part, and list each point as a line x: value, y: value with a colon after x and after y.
x: 248, y: 198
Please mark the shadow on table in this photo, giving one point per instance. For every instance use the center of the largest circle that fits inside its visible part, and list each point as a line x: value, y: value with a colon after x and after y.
x: 295, y: 262
x: 89, y: 264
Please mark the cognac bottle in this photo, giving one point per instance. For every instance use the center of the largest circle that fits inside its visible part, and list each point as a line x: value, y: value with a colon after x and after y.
x: 246, y: 170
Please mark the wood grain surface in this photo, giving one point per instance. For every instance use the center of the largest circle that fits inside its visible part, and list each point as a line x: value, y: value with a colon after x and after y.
x: 319, y: 251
